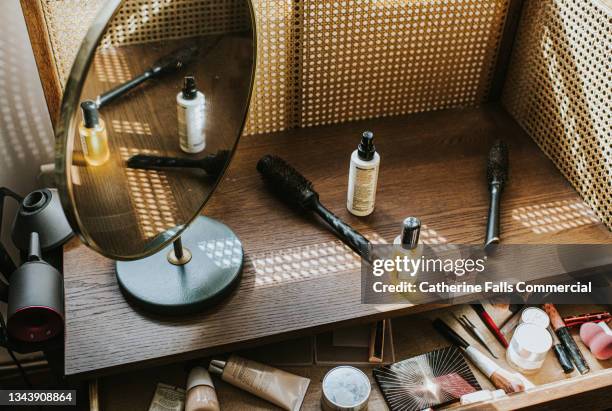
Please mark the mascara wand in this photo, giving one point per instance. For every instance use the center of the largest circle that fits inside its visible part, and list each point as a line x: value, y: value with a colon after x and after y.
x: 293, y: 187
x: 497, y: 176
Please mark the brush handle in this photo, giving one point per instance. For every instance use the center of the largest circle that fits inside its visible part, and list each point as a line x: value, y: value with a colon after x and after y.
x: 145, y: 161
x: 347, y: 234
x: 449, y: 333
x: 486, y: 318
x: 563, y: 358
x: 121, y: 89
x: 492, y: 235
x: 486, y: 365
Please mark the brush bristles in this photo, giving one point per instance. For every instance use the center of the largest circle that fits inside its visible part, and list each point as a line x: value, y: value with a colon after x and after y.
x: 286, y: 181
x: 497, y: 166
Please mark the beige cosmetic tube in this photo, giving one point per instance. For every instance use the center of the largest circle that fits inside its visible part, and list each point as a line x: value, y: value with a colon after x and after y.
x: 279, y: 387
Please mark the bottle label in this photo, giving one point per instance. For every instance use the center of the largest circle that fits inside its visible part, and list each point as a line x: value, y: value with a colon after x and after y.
x: 364, y: 189
x: 191, y: 128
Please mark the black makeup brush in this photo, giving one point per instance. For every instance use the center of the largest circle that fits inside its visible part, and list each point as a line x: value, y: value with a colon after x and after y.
x: 497, y: 175
x: 212, y: 164
x: 293, y: 187
x: 166, y: 64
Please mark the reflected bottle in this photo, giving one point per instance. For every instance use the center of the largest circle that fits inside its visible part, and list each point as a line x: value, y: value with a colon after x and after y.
x: 191, y: 105
x: 94, y: 139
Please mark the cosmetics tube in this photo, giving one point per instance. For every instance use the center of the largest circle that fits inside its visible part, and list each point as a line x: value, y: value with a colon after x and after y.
x: 561, y: 353
x: 511, y: 380
x: 482, y: 395
x: 167, y: 398
x: 281, y: 388
x: 566, y: 338
x: 201, y: 394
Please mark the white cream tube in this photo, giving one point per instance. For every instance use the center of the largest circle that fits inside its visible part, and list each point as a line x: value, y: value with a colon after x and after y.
x: 489, y: 367
x: 279, y: 387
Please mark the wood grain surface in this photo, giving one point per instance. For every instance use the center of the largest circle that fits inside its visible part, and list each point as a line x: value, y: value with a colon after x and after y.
x: 297, y: 278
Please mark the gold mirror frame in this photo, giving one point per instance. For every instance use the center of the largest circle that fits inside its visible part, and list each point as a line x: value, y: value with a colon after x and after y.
x: 65, y: 131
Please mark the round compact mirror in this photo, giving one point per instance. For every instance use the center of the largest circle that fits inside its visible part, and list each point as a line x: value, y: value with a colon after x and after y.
x: 152, y: 112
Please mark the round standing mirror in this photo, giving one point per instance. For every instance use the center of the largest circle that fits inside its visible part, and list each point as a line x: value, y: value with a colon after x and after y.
x: 152, y: 113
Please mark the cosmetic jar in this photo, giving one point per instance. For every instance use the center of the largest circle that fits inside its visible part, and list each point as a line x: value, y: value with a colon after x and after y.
x: 345, y: 388
x: 535, y: 316
x: 528, y: 348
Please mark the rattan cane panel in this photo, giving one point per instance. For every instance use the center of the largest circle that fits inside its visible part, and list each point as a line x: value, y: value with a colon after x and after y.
x: 275, y: 88
x: 559, y: 89
x: 323, y: 61
x: 138, y: 21
x: 67, y: 23
x: 391, y: 57
x: 142, y: 21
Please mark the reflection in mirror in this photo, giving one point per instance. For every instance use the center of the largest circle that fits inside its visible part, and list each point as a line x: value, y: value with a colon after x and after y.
x: 161, y: 109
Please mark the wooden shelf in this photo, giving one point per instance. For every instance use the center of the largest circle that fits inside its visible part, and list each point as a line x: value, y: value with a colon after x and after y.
x: 433, y: 166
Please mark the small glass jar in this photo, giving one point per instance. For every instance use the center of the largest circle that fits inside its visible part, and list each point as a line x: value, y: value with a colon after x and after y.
x: 528, y: 348
x: 345, y: 388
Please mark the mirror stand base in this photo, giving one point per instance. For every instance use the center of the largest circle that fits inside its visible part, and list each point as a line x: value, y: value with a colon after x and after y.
x: 157, y: 285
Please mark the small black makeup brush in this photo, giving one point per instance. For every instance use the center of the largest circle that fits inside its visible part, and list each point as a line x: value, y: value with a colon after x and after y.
x: 166, y: 64
x: 293, y: 187
x: 211, y: 164
x: 497, y: 175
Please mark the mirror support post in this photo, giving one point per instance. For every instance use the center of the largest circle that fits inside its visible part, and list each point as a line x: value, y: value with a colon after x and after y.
x: 179, y: 255
x: 178, y: 248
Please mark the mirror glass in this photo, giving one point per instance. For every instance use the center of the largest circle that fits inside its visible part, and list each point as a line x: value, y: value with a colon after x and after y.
x: 153, y: 118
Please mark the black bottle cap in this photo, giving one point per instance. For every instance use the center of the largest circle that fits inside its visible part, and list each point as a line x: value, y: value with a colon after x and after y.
x: 91, y: 117
x: 190, y: 90
x: 411, y: 228
x: 366, y: 148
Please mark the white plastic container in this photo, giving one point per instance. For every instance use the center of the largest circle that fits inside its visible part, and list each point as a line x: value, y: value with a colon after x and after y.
x: 191, y: 105
x: 363, y: 177
x: 528, y: 348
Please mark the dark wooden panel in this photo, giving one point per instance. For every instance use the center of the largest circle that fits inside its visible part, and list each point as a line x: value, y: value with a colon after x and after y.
x: 433, y: 166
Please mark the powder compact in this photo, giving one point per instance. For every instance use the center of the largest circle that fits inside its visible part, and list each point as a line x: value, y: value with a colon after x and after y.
x: 428, y: 380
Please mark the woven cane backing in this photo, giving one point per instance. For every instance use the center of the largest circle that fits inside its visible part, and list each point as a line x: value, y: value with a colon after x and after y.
x: 323, y: 61
x: 559, y: 89
x: 138, y: 21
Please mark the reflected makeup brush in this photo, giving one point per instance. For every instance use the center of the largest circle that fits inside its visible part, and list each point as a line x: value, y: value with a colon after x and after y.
x: 503, y: 379
x: 166, y: 64
x: 212, y: 164
x: 288, y: 184
x: 497, y: 176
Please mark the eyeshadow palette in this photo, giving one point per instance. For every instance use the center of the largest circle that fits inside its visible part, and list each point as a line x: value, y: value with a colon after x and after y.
x: 431, y: 379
